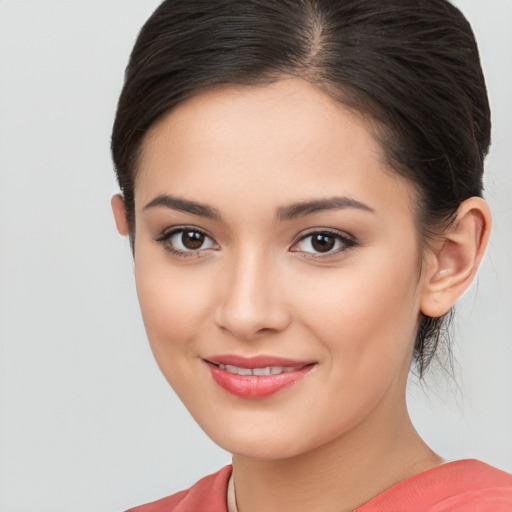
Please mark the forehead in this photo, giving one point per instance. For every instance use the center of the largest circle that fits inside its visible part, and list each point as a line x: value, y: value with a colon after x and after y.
x: 276, y: 143
x: 292, y: 108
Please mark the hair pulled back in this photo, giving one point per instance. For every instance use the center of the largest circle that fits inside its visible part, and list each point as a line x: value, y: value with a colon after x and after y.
x: 412, y: 66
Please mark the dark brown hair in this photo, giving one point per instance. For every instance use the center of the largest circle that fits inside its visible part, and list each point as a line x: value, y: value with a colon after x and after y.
x: 410, y: 65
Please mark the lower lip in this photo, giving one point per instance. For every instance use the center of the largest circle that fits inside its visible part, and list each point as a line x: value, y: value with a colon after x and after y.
x: 256, y: 386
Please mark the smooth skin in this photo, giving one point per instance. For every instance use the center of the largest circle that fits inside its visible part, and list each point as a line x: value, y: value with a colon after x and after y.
x: 340, y: 284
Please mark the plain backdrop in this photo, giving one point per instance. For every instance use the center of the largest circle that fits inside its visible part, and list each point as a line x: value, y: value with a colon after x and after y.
x: 87, y: 423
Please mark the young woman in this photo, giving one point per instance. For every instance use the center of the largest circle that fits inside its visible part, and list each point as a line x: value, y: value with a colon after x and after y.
x: 302, y: 187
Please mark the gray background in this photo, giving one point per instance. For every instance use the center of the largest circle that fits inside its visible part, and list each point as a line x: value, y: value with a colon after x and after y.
x: 87, y: 423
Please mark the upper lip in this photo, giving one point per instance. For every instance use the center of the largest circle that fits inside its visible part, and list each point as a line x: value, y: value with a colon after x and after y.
x: 261, y: 361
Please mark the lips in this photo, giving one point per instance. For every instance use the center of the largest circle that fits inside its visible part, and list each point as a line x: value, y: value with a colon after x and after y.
x: 256, y: 377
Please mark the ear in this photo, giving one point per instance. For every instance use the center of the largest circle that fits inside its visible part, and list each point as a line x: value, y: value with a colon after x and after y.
x: 119, y: 211
x: 452, y: 264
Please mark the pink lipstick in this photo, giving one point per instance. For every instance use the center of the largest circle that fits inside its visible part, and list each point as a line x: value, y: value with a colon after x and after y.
x: 256, y: 377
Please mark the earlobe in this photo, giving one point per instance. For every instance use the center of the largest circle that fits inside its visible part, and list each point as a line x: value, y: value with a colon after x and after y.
x: 119, y: 210
x: 451, y: 267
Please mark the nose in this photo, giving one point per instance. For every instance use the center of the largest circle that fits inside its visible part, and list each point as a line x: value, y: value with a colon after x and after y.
x: 252, y: 299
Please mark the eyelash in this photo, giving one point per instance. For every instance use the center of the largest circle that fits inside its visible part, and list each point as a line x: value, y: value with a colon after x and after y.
x: 166, y: 236
x: 346, y: 242
x: 165, y: 239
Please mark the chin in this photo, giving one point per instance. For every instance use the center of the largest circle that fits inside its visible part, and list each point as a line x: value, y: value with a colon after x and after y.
x: 269, y: 441
x: 260, y: 449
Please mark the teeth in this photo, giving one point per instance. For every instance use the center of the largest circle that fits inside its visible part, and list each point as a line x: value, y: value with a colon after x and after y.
x: 269, y: 370
x: 262, y: 371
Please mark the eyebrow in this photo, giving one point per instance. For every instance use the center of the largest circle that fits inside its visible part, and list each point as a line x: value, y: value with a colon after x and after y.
x: 184, y: 205
x: 284, y: 213
x: 303, y: 208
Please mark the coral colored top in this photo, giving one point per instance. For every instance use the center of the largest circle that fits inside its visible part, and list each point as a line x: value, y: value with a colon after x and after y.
x: 461, y: 486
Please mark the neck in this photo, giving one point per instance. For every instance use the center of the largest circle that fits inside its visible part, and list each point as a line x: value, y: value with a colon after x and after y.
x: 338, y: 476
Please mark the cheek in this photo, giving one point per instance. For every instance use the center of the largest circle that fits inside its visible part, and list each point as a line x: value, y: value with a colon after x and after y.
x: 365, y: 313
x: 175, y: 304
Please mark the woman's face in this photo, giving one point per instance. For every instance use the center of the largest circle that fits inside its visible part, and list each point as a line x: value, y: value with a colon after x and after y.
x: 270, y: 236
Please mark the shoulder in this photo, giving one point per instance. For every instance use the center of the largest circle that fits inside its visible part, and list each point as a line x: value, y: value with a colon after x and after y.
x: 208, y: 494
x: 460, y: 486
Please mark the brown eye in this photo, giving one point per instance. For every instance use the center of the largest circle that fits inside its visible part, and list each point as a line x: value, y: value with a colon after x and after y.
x: 325, y: 243
x: 192, y: 240
x: 186, y: 241
x: 322, y: 242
